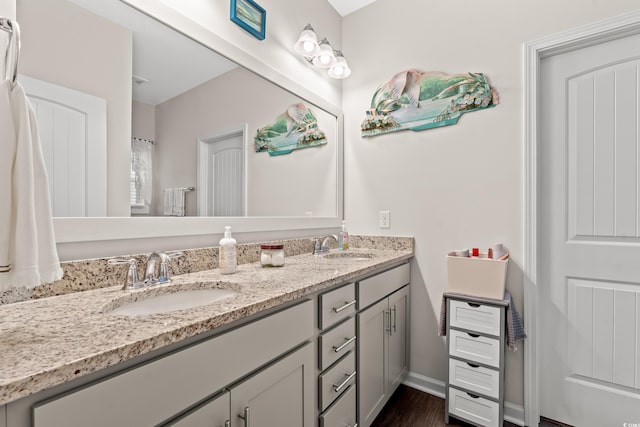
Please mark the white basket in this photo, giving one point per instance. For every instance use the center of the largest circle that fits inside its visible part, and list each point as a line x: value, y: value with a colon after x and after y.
x: 477, y: 276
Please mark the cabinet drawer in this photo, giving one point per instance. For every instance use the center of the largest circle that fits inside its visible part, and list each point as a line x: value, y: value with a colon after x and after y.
x: 379, y: 286
x: 342, y: 412
x: 158, y: 390
x: 474, y: 378
x: 336, y: 305
x: 336, y: 380
x: 475, y: 317
x: 337, y: 342
x: 474, y: 348
x: 473, y: 408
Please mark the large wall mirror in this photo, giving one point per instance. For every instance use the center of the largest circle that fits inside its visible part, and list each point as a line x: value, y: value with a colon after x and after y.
x: 145, y: 110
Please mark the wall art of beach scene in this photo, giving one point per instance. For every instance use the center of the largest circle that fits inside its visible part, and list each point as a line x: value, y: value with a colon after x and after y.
x: 294, y: 129
x: 419, y: 100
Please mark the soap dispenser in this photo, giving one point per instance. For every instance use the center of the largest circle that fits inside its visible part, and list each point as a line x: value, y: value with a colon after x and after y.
x: 343, y: 241
x: 227, y: 258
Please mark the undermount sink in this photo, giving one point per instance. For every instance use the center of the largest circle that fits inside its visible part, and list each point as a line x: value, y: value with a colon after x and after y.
x: 154, y: 303
x: 349, y: 256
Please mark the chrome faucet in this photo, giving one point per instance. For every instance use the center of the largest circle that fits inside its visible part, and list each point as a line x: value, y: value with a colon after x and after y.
x: 324, y: 246
x: 152, y: 276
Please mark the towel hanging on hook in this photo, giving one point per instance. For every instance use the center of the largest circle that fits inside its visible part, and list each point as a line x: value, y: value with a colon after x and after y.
x: 13, y: 29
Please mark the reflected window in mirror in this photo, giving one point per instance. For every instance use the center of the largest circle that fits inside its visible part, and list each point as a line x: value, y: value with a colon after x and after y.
x: 141, y: 176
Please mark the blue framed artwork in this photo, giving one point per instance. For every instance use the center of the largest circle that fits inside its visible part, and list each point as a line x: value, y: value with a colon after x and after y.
x: 250, y: 17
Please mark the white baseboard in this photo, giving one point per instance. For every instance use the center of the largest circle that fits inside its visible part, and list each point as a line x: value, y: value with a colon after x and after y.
x: 512, y: 413
x: 426, y: 384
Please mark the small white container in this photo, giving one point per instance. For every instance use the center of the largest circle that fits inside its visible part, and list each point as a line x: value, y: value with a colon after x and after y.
x: 272, y: 255
x: 477, y: 276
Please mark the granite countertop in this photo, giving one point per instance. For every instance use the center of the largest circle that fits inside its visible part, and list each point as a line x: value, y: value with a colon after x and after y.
x: 50, y: 341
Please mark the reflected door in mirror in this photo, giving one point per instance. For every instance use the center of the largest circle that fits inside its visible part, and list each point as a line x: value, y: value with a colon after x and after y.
x: 221, y: 177
x: 72, y: 128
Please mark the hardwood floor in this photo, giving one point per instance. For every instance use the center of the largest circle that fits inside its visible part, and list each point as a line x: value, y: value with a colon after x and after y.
x: 409, y: 407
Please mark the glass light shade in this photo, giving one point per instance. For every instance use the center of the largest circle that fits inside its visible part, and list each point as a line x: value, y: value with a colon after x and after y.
x: 325, y: 58
x: 341, y: 69
x: 307, y: 44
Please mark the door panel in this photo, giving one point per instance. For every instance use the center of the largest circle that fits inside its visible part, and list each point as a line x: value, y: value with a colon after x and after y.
x: 398, y: 355
x: 280, y: 395
x: 372, y: 343
x: 214, y: 413
x: 589, y: 186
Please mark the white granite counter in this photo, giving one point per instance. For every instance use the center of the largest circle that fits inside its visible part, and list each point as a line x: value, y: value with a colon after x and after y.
x: 50, y: 341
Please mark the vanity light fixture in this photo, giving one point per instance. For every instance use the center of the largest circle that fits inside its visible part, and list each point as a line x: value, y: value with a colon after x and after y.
x: 321, y: 55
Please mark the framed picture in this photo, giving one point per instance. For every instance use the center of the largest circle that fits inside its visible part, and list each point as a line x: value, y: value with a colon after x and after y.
x: 251, y: 17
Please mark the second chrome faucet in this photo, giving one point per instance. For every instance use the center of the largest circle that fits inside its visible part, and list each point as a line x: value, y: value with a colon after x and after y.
x: 324, y: 246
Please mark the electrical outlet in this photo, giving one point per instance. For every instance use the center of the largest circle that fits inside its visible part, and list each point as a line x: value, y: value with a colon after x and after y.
x: 384, y: 220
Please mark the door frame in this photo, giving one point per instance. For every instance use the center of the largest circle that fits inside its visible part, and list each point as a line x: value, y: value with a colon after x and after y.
x: 566, y: 41
x: 203, y: 185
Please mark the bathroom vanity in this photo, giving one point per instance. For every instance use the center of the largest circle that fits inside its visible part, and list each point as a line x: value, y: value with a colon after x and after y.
x: 293, y: 346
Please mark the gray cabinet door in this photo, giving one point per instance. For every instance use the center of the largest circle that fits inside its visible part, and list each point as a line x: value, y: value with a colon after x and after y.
x: 398, y: 363
x: 214, y: 413
x: 279, y: 395
x: 372, y: 342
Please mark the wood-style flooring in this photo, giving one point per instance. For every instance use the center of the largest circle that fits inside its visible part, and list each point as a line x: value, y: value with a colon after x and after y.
x: 409, y: 407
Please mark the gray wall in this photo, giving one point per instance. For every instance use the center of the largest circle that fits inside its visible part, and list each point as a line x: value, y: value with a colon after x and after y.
x: 286, y: 185
x: 452, y: 187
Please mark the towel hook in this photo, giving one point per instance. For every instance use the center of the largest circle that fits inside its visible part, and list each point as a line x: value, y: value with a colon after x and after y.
x: 13, y: 29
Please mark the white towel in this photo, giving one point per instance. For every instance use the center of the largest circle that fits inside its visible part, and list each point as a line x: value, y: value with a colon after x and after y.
x: 27, y: 241
x: 167, y: 197
x: 174, y: 201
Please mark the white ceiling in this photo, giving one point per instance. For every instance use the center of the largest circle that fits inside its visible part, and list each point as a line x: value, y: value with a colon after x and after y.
x: 161, y: 54
x: 345, y: 7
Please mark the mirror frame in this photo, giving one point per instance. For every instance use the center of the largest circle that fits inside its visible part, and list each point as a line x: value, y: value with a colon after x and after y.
x: 71, y: 230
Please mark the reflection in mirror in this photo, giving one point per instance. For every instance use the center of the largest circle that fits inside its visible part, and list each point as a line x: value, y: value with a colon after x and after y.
x: 165, y: 115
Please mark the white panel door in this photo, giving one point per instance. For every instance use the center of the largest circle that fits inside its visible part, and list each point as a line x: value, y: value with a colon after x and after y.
x: 589, y: 235
x: 221, y: 175
x: 73, y: 136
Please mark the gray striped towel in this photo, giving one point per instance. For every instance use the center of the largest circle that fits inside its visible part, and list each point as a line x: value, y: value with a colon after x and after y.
x: 515, y: 328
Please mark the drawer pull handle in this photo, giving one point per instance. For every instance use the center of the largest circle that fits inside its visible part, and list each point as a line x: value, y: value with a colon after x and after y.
x: 387, y: 314
x: 339, y: 387
x: 245, y: 417
x: 473, y: 335
x: 346, y: 305
x: 473, y: 365
x: 473, y: 396
x: 343, y: 346
x: 394, y: 318
x: 473, y: 304
x: 227, y: 423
